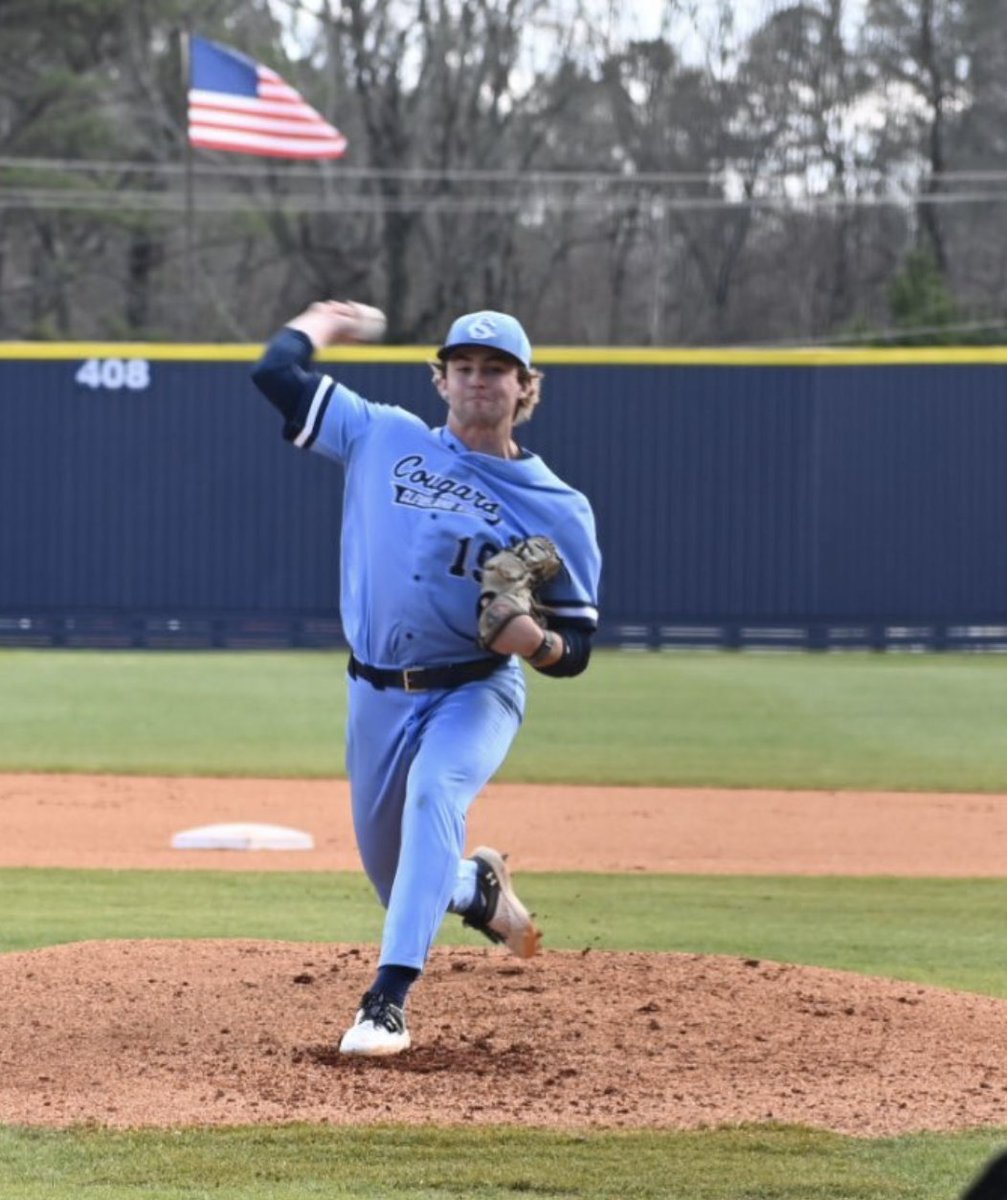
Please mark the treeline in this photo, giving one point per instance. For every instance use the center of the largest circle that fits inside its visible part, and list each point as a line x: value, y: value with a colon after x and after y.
x: 835, y: 173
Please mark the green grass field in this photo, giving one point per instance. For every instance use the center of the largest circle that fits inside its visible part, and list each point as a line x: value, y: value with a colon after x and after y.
x: 302, y: 1162
x: 895, y: 722
x: 899, y: 722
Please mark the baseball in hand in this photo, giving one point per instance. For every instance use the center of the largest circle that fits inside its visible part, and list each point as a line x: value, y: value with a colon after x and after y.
x: 370, y: 323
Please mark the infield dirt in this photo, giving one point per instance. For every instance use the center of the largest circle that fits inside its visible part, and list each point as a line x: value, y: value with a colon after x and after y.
x: 164, y: 1033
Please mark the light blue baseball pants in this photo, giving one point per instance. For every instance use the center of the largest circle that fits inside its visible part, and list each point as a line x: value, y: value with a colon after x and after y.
x: 416, y: 761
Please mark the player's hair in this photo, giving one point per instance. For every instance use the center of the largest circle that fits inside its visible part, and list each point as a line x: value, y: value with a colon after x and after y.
x: 529, y: 377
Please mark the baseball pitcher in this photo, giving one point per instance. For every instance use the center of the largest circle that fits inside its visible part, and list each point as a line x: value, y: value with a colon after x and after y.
x: 461, y: 553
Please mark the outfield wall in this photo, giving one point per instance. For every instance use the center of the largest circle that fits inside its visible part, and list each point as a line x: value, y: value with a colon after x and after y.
x: 823, y: 499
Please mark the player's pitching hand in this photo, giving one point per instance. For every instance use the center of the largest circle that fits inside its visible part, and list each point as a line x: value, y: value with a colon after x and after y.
x: 339, y: 322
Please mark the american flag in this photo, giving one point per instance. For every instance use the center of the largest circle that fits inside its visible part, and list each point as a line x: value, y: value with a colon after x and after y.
x: 238, y: 104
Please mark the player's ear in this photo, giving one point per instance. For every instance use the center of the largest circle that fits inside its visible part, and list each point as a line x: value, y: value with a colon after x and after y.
x: 531, y: 394
x: 438, y: 376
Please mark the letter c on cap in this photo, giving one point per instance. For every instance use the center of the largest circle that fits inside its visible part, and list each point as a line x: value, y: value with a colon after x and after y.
x: 482, y: 327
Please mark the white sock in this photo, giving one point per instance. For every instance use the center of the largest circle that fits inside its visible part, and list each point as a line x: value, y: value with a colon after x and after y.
x: 464, y: 895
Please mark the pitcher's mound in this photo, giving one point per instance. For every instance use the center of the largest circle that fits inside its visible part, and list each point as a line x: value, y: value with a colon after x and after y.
x: 237, y: 1032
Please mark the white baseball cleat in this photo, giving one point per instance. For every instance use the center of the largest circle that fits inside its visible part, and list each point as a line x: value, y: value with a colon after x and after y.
x: 497, y: 912
x: 379, y: 1029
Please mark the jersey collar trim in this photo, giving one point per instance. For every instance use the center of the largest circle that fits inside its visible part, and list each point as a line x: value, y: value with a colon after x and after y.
x: 459, y: 447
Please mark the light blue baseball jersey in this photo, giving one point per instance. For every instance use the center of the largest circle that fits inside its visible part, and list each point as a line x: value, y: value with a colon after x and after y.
x: 421, y: 514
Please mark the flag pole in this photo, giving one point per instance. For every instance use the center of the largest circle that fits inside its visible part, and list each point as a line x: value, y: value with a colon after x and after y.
x: 189, y: 183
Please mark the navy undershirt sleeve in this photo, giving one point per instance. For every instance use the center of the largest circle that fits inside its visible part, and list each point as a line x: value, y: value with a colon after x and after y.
x: 282, y: 375
x: 576, y: 652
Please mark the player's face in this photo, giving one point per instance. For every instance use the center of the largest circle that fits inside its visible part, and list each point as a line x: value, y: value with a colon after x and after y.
x: 482, y: 388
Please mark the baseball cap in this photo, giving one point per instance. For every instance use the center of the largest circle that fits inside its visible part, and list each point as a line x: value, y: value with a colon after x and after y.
x: 488, y: 328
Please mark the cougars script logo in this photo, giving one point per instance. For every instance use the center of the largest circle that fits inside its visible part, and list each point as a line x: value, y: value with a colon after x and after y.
x: 418, y: 487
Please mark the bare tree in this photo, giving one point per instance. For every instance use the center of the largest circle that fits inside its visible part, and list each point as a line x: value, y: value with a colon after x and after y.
x: 800, y: 87
x: 448, y: 93
x: 915, y: 51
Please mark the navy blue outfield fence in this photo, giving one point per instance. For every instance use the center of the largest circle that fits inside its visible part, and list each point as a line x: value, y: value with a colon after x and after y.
x: 813, y: 500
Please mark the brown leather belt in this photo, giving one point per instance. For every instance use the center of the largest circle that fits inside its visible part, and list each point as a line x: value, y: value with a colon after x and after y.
x: 426, y: 679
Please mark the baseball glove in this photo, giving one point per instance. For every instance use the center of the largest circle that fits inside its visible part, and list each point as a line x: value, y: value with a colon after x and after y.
x: 510, y: 581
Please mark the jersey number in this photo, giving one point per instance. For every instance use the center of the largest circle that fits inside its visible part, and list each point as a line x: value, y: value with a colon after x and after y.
x: 460, y: 566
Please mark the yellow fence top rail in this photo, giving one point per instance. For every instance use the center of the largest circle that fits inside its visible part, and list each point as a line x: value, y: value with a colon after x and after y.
x: 602, y: 356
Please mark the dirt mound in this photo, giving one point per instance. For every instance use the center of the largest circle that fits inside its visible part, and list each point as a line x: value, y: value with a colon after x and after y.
x: 233, y: 1032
